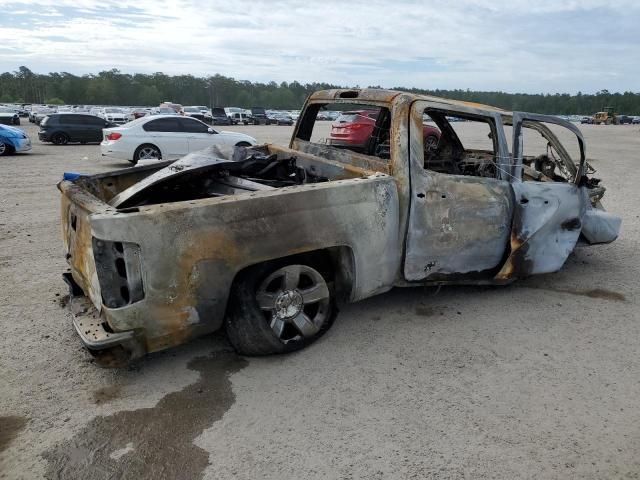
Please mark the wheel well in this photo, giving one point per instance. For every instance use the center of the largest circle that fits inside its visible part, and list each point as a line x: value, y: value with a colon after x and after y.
x: 334, y: 263
x: 243, y: 144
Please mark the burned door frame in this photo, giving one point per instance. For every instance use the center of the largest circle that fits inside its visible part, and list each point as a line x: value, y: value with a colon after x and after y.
x: 459, y: 225
x: 517, y: 121
x: 548, y: 216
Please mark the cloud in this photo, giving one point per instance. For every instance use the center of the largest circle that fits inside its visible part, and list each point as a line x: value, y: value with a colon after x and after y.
x: 545, y: 46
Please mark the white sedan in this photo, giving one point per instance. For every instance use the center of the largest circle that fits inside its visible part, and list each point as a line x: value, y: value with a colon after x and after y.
x: 165, y: 137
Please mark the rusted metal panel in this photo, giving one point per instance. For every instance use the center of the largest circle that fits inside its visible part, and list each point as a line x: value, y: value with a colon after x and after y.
x: 353, y: 95
x: 76, y: 207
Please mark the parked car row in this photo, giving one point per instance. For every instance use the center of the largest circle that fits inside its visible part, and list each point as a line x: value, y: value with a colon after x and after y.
x: 121, y: 115
x: 9, y: 116
x: 152, y: 137
x: 170, y: 136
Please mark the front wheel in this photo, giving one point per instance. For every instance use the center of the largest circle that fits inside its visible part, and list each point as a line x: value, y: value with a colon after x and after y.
x: 243, y: 144
x: 279, y: 310
x: 4, y: 148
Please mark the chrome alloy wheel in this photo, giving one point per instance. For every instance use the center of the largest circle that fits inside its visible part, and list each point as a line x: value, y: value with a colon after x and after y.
x: 148, y: 153
x: 296, y: 301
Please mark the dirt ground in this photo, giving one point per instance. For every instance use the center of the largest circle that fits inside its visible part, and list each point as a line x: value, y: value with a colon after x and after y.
x: 540, y: 379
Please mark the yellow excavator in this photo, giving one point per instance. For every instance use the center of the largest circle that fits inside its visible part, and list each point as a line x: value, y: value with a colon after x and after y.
x: 607, y: 116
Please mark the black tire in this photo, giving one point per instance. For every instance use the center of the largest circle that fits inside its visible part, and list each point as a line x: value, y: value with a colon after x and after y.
x: 243, y: 144
x: 16, y: 121
x: 248, y: 326
x: 4, y: 148
x: 138, y: 154
x: 60, y: 138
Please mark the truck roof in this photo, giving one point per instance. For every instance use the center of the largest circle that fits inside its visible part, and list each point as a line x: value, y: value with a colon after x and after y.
x: 389, y: 96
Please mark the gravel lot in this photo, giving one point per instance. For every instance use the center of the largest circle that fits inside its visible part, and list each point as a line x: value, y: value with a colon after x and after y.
x: 540, y: 379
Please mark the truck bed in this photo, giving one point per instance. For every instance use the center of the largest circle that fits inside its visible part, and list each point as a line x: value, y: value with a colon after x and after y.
x: 164, y: 269
x: 109, y: 185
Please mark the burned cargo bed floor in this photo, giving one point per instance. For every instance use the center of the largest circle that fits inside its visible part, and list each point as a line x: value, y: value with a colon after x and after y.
x: 204, y: 175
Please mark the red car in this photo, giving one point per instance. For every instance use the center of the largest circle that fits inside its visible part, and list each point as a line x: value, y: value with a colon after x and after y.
x: 139, y: 113
x: 353, y: 129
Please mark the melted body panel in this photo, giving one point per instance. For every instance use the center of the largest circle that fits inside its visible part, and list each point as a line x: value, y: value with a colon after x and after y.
x: 546, y: 227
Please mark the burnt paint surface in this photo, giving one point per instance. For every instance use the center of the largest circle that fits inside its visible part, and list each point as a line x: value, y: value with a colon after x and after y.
x: 457, y: 225
x: 151, y: 443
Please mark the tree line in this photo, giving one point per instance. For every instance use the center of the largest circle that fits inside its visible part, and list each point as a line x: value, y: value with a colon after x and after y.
x: 113, y: 87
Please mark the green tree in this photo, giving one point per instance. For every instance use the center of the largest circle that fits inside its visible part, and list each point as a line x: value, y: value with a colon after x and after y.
x: 113, y: 87
x: 54, y: 101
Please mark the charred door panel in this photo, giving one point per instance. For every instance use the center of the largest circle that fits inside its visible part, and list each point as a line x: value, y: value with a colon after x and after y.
x: 546, y: 226
x: 458, y: 225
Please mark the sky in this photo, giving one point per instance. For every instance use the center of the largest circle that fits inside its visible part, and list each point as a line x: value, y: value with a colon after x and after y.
x: 543, y: 46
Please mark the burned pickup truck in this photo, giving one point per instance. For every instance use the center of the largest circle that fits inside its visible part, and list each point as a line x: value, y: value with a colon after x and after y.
x: 268, y: 241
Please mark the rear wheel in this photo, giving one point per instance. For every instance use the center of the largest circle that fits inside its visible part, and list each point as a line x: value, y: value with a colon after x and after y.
x: 278, y: 309
x: 60, y: 139
x: 147, y: 152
